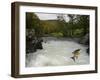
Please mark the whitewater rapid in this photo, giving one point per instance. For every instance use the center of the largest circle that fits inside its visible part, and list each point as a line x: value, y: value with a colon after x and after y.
x: 57, y: 53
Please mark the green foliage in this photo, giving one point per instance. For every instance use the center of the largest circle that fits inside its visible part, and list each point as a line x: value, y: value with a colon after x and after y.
x: 78, y: 32
x: 49, y: 26
x: 77, y: 26
x: 33, y: 22
x: 83, y: 22
x: 57, y: 34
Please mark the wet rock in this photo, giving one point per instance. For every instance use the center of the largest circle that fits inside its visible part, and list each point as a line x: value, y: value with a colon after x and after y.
x: 87, y: 50
x: 39, y: 44
x: 32, y: 42
x: 85, y: 40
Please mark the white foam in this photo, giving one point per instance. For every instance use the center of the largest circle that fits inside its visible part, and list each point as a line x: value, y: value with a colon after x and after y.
x: 57, y: 53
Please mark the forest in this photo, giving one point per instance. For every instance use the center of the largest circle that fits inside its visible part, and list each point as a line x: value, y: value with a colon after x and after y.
x: 77, y: 27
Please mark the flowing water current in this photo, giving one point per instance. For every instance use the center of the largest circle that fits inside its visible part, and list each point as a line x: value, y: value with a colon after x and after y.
x: 57, y: 53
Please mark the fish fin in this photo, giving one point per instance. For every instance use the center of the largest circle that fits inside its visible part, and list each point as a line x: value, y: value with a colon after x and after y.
x: 73, y: 58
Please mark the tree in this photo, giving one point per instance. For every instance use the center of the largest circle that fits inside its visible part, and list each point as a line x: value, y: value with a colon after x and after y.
x: 62, y: 24
x: 71, y: 24
x: 83, y: 22
x: 33, y: 22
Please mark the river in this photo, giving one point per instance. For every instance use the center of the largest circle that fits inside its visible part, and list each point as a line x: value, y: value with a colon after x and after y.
x: 57, y: 52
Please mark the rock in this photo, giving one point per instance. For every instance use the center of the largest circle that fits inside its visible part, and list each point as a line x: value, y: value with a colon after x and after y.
x: 39, y: 44
x: 32, y: 42
x: 30, y: 47
x: 85, y: 40
x: 87, y: 50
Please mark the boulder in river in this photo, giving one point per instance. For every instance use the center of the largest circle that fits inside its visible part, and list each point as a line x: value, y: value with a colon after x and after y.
x: 32, y: 42
x: 85, y: 39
